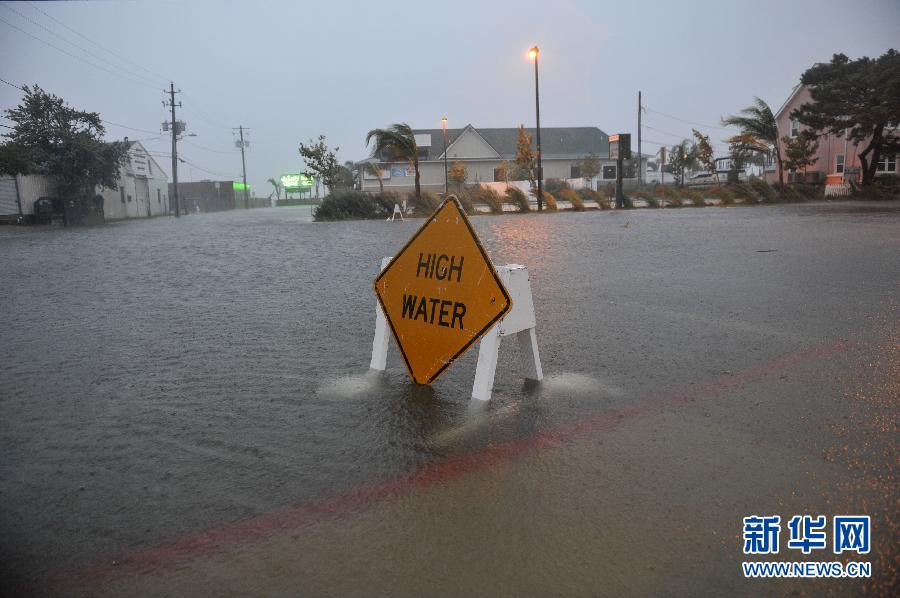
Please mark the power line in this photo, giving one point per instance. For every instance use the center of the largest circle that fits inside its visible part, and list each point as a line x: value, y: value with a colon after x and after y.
x: 71, y: 43
x: 196, y: 111
x: 109, y: 122
x: 12, y: 84
x: 209, y: 149
x: 646, y: 126
x: 682, y: 137
x: 690, y: 122
x: 75, y: 56
x: 206, y: 170
x: 117, y: 55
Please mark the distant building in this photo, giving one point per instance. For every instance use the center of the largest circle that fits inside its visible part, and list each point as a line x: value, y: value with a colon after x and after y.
x: 141, y: 190
x: 483, y: 150
x: 836, y: 155
x: 209, y: 196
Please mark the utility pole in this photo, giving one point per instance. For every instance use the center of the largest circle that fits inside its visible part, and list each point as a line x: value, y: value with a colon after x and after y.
x: 175, y: 132
x: 662, y: 165
x: 444, y: 131
x: 244, y: 167
x: 640, y: 165
x: 537, y: 112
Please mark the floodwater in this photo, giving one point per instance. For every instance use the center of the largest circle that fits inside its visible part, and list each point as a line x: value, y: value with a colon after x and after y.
x: 185, y: 407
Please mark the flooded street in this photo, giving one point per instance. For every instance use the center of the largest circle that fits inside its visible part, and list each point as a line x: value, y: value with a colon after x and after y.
x: 186, y: 409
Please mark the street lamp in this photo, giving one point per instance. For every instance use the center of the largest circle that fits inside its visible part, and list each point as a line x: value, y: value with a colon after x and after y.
x: 533, y: 54
x: 444, y: 130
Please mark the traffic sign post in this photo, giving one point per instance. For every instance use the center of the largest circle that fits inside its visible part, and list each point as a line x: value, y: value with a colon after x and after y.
x: 441, y: 293
x: 620, y: 150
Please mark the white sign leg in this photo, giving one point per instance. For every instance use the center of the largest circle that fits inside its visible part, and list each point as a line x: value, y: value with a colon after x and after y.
x: 382, y: 334
x: 520, y: 321
x: 531, y: 357
x: 488, y: 352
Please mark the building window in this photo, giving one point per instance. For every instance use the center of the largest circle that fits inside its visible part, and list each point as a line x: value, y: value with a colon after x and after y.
x: 129, y: 199
x: 499, y: 174
x: 423, y: 153
x: 575, y: 171
x: 839, y: 163
x: 122, y: 193
x: 609, y: 172
x: 158, y: 196
x: 795, y: 127
x: 886, y: 164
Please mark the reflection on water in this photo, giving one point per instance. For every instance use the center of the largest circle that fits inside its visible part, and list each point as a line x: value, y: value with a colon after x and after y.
x: 569, y: 383
x: 353, y: 386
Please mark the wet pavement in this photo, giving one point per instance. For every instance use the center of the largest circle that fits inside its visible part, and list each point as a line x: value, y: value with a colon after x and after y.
x: 186, y: 408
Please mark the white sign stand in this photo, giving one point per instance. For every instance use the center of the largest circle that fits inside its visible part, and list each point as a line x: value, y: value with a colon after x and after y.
x: 397, y: 212
x: 520, y: 321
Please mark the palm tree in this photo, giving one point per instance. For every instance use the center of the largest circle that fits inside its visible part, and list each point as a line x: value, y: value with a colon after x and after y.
x: 375, y: 170
x: 399, y: 141
x: 759, y: 122
x: 277, y: 187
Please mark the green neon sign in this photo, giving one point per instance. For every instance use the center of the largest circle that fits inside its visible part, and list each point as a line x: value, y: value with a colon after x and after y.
x: 297, y: 182
x: 239, y: 186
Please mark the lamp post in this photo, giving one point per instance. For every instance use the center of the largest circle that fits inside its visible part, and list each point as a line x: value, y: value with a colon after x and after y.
x: 533, y: 54
x: 444, y: 131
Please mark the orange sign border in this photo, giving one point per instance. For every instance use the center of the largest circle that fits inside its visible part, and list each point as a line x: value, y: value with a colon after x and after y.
x: 493, y: 270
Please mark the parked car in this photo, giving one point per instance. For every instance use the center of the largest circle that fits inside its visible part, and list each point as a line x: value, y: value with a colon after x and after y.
x: 702, y: 178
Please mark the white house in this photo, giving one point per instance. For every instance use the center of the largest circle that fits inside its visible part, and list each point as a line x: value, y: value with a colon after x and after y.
x: 482, y: 151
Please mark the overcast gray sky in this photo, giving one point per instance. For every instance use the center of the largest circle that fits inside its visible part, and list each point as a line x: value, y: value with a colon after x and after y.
x: 292, y: 70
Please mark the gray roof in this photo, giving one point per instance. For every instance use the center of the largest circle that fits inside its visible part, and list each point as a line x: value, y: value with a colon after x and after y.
x: 556, y: 142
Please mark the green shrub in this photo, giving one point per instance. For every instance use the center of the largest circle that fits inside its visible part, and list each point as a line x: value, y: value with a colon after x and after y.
x: 763, y: 189
x: 670, y: 193
x: 386, y: 201
x: 573, y: 198
x: 694, y: 196
x: 488, y: 197
x: 884, y: 187
x: 465, y: 200
x: 591, y: 195
x: 351, y: 205
x: 651, y: 200
x: 810, y: 191
x: 744, y: 191
x: 550, y: 202
x: 516, y: 196
x: 555, y: 185
x: 789, y: 194
x: 723, y: 194
x: 424, y: 205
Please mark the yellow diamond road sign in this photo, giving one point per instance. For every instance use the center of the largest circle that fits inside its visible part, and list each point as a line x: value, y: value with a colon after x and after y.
x: 440, y: 293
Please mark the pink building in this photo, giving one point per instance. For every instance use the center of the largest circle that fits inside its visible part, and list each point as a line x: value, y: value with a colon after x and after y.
x: 836, y: 155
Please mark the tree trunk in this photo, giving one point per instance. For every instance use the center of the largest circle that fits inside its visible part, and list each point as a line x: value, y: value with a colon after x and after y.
x: 780, y: 167
x: 870, y: 167
x: 418, y: 188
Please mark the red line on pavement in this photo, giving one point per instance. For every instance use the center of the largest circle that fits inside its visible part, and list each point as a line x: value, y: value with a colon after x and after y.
x: 260, y: 527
